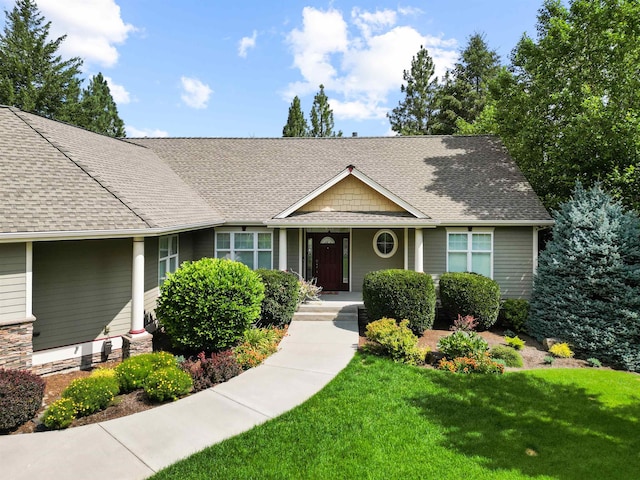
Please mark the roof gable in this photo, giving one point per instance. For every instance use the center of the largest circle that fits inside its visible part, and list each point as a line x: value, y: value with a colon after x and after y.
x: 351, y: 191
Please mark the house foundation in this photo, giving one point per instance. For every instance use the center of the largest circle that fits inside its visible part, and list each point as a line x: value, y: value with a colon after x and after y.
x: 15, y: 344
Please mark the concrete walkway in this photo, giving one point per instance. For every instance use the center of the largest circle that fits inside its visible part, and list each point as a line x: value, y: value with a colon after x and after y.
x: 139, y: 445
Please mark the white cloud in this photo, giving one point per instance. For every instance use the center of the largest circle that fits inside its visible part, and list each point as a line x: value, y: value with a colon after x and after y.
x: 246, y: 43
x: 195, y: 93
x: 361, y: 62
x: 93, y: 28
x: 118, y: 92
x: 133, y: 132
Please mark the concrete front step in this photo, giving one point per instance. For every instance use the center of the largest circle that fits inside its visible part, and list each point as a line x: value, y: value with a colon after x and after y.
x: 326, y: 312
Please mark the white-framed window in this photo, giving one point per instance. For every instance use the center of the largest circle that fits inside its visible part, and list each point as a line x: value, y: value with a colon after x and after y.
x: 254, y: 249
x: 167, y: 256
x: 470, y: 251
x: 385, y: 243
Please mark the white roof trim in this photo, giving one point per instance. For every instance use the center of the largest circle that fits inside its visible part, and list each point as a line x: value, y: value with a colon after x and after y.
x: 351, y: 170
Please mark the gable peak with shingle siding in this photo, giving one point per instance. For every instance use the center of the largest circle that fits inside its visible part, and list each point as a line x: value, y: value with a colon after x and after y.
x: 130, y: 175
x: 452, y: 179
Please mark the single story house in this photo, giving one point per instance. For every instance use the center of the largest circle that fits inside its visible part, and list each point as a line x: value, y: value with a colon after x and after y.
x: 90, y: 225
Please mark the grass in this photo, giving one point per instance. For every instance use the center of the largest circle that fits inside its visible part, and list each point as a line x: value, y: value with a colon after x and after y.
x: 381, y: 420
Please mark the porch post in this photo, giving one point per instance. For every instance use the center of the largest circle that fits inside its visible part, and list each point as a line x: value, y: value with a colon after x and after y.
x: 137, y: 288
x: 419, y: 260
x: 535, y: 250
x: 406, y: 248
x: 282, y: 260
x: 28, y: 303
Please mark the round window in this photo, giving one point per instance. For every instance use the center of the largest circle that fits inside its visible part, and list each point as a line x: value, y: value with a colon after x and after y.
x: 385, y: 243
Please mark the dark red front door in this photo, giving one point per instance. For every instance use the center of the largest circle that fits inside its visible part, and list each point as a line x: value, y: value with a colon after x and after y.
x: 329, y: 265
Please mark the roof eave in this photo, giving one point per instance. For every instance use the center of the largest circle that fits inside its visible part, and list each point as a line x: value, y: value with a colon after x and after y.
x: 102, y: 234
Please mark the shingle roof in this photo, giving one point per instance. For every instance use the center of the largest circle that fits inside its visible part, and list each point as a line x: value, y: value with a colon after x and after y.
x: 449, y: 178
x: 56, y: 177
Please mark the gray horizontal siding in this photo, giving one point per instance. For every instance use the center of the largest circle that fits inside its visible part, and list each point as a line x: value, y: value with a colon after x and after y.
x: 513, y: 261
x: 435, y: 252
x: 365, y: 260
x: 79, y: 288
x: 151, y: 290
x: 203, y: 244
x: 292, y: 250
x: 13, y: 288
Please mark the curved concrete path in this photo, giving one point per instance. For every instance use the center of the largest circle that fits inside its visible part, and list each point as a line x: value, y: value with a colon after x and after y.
x: 139, y: 445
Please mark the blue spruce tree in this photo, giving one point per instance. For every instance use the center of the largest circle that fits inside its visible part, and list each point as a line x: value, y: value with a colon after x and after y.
x: 587, y: 288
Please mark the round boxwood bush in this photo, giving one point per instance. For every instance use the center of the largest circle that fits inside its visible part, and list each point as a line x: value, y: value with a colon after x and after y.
x: 400, y: 294
x: 208, y: 304
x: 281, y: 290
x: 470, y: 294
x: 21, y: 395
x: 511, y: 357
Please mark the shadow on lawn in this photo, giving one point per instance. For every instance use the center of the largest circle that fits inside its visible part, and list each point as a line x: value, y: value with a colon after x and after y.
x: 524, y: 423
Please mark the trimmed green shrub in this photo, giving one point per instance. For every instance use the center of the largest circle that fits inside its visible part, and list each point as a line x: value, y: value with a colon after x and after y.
x: 21, y: 395
x: 208, y: 304
x: 549, y: 359
x: 511, y: 357
x: 133, y: 372
x: 462, y: 344
x: 395, y: 341
x: 470, y: 294
x: 91, y: 394
x: 168, y: 383
x: 209, y: 371
x: 514, y: 313
x: 401, y: 294
x: 514, y: 342
x: 281, y: 291
x: 60, y: 414
x: 587, y: 282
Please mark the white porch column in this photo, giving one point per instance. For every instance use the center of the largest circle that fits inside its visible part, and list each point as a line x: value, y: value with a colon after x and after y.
x: 535, y: 250
x: 419, y: 260
x: 137, y: 288
x: 28, y: 303
x: 282, y: 260
x: 406, y: 249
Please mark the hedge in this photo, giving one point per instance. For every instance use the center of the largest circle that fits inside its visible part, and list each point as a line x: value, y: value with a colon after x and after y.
x: 281, y: 290
x: 470, y: 294
x: 400, y: 294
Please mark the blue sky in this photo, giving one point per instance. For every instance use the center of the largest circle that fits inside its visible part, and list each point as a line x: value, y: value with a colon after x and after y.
x: 230, y: 69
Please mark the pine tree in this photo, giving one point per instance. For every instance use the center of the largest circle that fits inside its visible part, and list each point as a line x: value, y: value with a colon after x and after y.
x: 98, y: 111
x: 414, y: 114
x: 586, y: 291
x: 322, y: 117
x: 33, y: 76
x: 296, y: 124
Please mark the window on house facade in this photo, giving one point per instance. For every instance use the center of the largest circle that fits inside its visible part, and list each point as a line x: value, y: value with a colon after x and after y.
x: 167, y: 257
x: 254, y: 249
x: 470, y: 252
x: 385, y: 243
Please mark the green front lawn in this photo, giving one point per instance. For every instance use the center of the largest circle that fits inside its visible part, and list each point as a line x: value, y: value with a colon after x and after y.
x: 384, y: 420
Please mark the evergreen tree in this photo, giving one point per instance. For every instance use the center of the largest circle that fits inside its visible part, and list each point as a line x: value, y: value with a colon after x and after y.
x: 586, y: 291
x: 296, y: 124
x: 322, y: 117
x: 464, y: 91
x: 33, y: 76
x: 414, y: 114
x: 98, y: 111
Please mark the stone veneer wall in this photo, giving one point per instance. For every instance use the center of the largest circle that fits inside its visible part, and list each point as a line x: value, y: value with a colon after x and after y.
x: 82, y: 363
x: 16, y: 348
